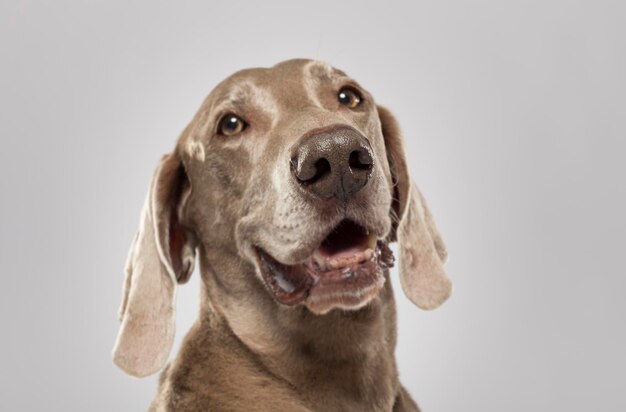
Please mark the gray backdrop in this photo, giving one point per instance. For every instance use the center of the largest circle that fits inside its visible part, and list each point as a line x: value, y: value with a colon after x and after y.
x: 513, y: 114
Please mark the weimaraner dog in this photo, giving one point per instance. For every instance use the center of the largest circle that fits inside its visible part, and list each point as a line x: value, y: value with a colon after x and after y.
x: 288, y: 184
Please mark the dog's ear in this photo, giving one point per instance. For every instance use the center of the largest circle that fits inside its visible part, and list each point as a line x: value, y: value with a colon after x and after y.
x: 161, y: 255
x: 422, y: 251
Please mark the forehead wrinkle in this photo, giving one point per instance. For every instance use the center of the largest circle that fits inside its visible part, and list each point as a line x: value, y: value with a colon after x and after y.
x: 265, y: 100
x: 311, y: 82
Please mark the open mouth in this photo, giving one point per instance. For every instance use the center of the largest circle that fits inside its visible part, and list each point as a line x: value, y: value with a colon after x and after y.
x: 344, y: 271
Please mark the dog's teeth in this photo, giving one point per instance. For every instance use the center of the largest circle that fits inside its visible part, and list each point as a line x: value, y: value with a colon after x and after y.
x: 284, y: 283
x: 371, y: 241
x: 367, y: 255
x: 334, y: 263
x: 321, y: 260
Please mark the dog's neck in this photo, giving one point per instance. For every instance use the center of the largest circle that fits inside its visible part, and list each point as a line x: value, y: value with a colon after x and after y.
x: 345, y: 347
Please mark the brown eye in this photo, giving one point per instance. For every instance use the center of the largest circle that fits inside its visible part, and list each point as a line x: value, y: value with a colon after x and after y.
x: 349, y: 97
x: 231, y: 125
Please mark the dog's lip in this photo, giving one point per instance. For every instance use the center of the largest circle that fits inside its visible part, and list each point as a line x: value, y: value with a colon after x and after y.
x: 290, y: 284
x: 345, y: 270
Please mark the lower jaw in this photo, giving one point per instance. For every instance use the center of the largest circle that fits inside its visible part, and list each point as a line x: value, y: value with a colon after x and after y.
x: 324, y: 298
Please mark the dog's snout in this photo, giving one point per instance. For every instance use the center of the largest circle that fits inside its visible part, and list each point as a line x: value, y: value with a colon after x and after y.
x: 334, y: 163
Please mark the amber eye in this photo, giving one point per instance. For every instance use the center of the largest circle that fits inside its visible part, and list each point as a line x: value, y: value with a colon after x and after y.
x: 231, y: 125
x: 349, y: 97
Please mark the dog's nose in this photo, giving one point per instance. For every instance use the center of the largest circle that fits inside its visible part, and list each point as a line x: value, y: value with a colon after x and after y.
x: 333, y: 163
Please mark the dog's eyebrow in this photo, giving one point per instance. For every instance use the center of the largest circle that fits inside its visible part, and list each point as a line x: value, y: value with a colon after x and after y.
x: 248, y: 93
x: 320, y: 69
x: 316, y: 72
x: 235, y: 95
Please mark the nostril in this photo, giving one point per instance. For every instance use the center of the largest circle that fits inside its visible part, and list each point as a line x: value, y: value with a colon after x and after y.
x: 310, y: 172
x: 322, y: 167
x: 360, y: 160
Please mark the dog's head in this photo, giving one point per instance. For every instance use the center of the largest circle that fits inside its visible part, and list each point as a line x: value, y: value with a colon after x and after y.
x: 290, y: 179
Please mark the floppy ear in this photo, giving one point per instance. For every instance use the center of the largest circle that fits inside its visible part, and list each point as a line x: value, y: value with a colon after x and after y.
x: 422, y: 251
x: 161, y: 255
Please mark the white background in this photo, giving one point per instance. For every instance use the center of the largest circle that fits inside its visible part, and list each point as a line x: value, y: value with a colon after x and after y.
x: 514, y: 116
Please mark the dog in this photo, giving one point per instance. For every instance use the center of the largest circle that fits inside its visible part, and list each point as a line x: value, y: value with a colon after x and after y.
x: 289, y: 183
